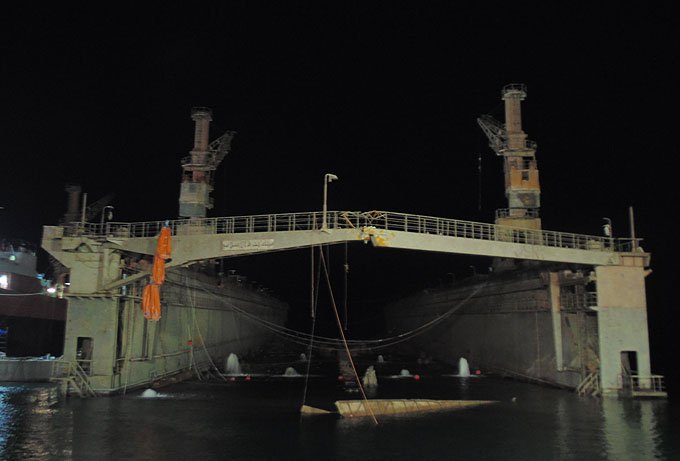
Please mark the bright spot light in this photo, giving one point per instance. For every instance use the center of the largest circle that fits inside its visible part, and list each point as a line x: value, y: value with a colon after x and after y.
x: 51, y: 290
x: 4, y: 281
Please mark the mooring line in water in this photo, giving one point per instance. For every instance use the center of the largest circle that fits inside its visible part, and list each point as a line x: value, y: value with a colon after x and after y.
x: 301, y: 338
x: 321, y: 342
x: 344, y: 340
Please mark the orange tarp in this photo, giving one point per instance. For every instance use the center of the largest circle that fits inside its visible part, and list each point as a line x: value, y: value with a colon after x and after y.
x: 151, y: 302
x: 158, y: 271
x: 151, y: 298
x: 164, y: 246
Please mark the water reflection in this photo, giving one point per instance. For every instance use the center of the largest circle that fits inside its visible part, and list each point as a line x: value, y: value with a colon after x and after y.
x: 34, y: 423
x: 212, y: 421
x: 630, y: 429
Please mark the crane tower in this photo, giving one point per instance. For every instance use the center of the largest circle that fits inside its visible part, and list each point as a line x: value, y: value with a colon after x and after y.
x: 522, y: 188
x: 199, y: 166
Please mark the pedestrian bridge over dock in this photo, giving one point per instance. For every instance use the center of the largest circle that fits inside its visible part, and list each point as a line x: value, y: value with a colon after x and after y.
x: 198, y: 239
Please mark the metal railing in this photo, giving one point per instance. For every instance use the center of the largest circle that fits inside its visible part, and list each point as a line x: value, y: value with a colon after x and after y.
x: 578, y: 301
x: 641, y: 383
x: 517, y: 212
x: 383, y: 220
x: 521, y: 87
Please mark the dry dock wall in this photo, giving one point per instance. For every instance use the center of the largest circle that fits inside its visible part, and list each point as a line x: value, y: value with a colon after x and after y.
x: 521, y: 323
x: 25, y: 370
x: 200, y: 323
x: 503, y: 324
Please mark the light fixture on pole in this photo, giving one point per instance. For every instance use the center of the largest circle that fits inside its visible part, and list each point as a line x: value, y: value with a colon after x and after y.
x: 104, y: 214
x: 328, y: 177
x: 608, y: 231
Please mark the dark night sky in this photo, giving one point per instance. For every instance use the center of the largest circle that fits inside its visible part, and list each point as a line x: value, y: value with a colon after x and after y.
x: 385, y: 96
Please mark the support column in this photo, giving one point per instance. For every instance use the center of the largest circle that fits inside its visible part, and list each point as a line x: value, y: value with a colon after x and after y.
x: 555, y: 309
x: 622, y: 322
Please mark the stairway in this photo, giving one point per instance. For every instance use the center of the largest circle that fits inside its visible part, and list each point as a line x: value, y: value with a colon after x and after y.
x: 73, y: 378
x: 590, y: 385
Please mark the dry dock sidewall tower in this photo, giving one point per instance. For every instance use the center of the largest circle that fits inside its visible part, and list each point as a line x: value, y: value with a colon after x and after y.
x: 550, y: 322
x: 202, y: 319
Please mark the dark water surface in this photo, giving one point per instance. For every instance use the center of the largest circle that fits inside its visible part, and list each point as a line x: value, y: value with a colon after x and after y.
x: 260, y: 420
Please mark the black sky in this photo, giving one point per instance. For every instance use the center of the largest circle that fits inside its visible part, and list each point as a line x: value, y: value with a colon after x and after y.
x: 385, y: 95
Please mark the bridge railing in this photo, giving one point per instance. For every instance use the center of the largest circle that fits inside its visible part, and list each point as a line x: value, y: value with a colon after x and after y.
x: 388, y: 221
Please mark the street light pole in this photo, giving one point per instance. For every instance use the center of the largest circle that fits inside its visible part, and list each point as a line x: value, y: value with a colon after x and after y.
x: 608, y: 231
x: 107, y: 207
x: 328, y: 177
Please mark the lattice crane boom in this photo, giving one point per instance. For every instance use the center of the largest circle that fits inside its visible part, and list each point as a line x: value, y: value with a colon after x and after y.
x: 495, y: 131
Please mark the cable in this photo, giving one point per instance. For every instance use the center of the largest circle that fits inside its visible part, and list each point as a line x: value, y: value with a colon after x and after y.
x: 349, y: 354
x: 314, y: 299
x: 346, y: 271
x: 302, y: 338
x: 191, y: 295
x: 333, y: 343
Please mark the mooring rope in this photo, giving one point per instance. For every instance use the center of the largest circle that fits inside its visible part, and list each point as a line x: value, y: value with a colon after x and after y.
x: 322, y: 342
x: 344, y: 340
x: 192, y: 298
x: 315, y: 300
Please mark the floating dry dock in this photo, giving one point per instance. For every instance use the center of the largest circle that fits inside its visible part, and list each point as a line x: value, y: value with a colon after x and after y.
x: 382, y: 407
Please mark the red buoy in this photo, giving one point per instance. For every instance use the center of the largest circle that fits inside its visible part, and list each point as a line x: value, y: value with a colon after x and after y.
x: 247, y: 378
x: 478, y: 372
x: 416, y: 377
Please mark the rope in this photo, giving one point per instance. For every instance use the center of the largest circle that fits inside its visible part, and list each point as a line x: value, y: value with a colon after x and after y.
x: 198, y: 330
x: 346, y: 271
x: 315, y: 301
x: 302, y: 338
x: 342, y: 334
